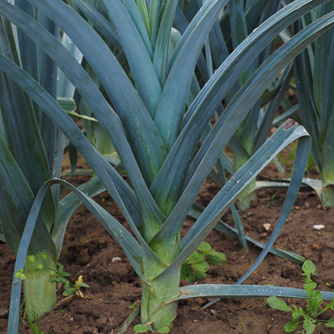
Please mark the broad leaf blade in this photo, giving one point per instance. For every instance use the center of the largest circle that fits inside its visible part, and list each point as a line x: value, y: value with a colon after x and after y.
x: 117, y: 187
x: 16, y: 200
x: 100, y: 23
x: 142, y: 69
x: 171, y: 107
x: 243, y: 291
x: 136, y: 17
x: 160, y: 57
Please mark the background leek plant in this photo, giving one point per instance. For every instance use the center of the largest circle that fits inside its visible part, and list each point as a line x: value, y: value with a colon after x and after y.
x: 236, y: 23
x: 143, y: 111
x: 256, y: 126
x: 31, y: 150
x: 314, y: 70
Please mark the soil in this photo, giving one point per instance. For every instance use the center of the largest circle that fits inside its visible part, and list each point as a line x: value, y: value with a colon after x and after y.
x: 114, y: 287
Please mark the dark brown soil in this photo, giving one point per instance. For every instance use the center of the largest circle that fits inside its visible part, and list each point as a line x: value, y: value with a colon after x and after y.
x: 89, y: 251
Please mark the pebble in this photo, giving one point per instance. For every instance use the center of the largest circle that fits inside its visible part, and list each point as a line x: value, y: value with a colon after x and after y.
x: 267, y: 226
x: 213, y: 312
x: 318, y: 227
x: 3, y: 312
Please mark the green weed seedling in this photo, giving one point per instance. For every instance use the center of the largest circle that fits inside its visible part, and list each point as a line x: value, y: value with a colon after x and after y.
x: 33, y: 321
x: 59, y: 276
x: 243, y: 325
x: 196, y: 266
x: 308, y: 318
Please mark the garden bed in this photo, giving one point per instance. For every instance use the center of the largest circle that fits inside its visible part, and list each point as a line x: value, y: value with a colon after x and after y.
x: 114, y: 287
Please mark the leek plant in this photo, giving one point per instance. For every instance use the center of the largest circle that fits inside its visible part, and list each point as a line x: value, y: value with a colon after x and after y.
x: 31, y: 150
x: 143, y: 111
x: 314, y: 70
x: 256, y: 126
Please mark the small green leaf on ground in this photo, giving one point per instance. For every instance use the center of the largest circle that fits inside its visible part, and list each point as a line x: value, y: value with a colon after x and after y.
x: 278, y: 304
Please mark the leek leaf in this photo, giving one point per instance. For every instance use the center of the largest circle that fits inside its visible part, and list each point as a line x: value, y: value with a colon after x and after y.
x: 213, y: 212
x: 160, y: 57
x: 101, y: 108
x: 244, y: 291
x: 197, y: 209
x: 17, y: 196
x: 171, y: 107
x: 136, y: 17
x: 142, y: 69
x: 68, y: 205
x: 100, y: 23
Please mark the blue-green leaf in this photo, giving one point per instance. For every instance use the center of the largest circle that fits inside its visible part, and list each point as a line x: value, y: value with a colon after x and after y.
x: 212, y: 213
x: 142, y: 69
x: 16, y: 200
x: 160, y: 57
x: 243, y: 291
x: 171, y: 107
x: 131, y: 247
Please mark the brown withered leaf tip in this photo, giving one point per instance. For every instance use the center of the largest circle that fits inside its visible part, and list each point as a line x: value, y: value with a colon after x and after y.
x: 289, y: 123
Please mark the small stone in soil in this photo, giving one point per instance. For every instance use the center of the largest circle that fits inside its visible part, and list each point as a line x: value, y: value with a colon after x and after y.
x: 318, y: 227
x: 3, y: 312
x: 267, y: 226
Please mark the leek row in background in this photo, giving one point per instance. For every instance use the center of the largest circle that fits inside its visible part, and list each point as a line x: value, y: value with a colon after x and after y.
x: 314, y: 70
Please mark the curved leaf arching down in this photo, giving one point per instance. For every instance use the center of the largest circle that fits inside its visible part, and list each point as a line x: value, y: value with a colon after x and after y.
x: 215, y: 209
x: 133, y: 250
x: 102, y: 110
x: 197, y: 209
x: 117, y: 187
